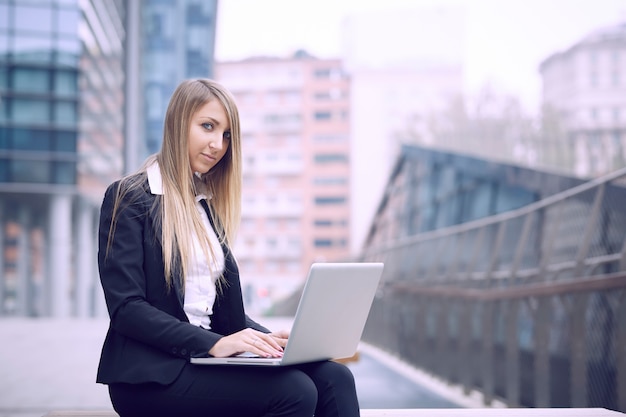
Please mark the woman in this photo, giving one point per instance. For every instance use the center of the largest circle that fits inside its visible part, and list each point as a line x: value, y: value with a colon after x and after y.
x: 172, y: 285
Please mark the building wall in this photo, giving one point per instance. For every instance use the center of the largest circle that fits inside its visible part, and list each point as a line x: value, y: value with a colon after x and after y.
x: 60, y: 127
x: 295, y: 120
x: 585, y: 86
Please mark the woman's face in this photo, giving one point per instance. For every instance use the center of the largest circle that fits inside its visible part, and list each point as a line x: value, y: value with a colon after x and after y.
x: 209, y: 136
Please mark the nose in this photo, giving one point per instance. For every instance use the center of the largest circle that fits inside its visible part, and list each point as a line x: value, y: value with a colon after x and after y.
x: 216, y: 143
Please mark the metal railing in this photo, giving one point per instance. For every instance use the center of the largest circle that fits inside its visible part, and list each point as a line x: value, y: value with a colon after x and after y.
x: 527, y: 306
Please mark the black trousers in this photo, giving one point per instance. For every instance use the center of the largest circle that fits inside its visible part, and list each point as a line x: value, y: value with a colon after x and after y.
x: 323, y: 389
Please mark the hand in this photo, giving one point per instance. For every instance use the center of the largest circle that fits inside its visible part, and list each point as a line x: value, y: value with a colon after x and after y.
x: 250, y: 340
x: 281, y: 337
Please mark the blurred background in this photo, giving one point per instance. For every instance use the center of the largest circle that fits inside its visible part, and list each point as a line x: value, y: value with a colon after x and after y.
x: 477, y: 147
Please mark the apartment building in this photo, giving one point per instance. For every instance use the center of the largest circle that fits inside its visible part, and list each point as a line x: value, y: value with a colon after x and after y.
x: 584, y: 87
x: 296, y: 161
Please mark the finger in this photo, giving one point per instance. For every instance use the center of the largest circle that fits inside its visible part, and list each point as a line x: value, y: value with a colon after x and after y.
x: 267, y: 346
x: 275, y: 342
x: 282, y: 341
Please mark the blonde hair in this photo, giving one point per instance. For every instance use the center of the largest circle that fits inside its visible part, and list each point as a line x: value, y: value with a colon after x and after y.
x: 180, y: 184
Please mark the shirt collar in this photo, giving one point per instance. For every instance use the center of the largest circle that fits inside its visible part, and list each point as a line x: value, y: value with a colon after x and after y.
x: 155, y: 181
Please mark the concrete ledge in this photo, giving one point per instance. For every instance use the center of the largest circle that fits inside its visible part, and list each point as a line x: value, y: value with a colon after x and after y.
x: 493, y: 412
x: 425, y: 412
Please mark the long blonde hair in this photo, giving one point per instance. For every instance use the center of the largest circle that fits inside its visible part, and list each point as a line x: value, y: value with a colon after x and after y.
x: 179, y: 218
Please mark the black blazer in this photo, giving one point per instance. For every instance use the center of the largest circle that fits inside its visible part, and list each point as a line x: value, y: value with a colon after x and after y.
x: 149, y: 337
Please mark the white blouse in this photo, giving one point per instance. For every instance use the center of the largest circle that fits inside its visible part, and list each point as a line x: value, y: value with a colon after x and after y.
x: 200, y: 290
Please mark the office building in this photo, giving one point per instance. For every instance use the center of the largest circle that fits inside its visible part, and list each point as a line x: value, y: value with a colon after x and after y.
x: 295, y: 118
x: 167, y: 42
x: 61, y: 100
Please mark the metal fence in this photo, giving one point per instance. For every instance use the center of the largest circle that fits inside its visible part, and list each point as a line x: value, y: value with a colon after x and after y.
x: 527, y: 306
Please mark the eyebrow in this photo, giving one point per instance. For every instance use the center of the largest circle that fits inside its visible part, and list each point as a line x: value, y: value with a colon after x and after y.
x: 212, y: 119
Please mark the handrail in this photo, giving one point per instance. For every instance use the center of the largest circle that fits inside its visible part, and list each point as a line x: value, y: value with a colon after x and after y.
x: 525, y: 305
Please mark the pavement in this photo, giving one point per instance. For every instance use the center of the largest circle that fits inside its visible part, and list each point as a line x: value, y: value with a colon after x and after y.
x: 50, y: 364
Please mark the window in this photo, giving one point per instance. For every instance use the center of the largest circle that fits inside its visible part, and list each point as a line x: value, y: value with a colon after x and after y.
x: 323, y: 223
x: 30, y: 171
x: 322, y: 115
x: 3, y: 70
x: 4, y: 16
x: 68, y: 20
x: 330, y: 222
x: 4, y: 138
x: 38, y: 19
x: 65, y: 113
x: 30, y: 80
x: 322, y: 73
x: 330, y: 180
x: 323, y: 95
x: 322, y: 201
x: 31, y: 139
x: 33, y: 48
x: 330, y: 138
x: 332, y: 94
x: 35, y: 112
x: 326, y: 158
x: 64, y: 173
x: 65, y: 83
x: 327, y: 243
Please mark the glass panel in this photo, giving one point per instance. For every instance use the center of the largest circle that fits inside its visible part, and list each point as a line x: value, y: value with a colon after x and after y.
x: 65, y: 173
x: 4, y: 170
x: 4, y: 46
x: 31, y: 139
x: 68, y: 46
x: 33, y: 49
x: 30, y: 171
x: 65, y: 142
x: 30, y: 80
x: 4, y: 16
x: 3, y: 79
x: 4, y: 110
x: 67, y: 21
x: 65, y: 113
x: 65, y: 83
x: 37, y: 19
x: 4, y: 138
x: 35, y: 112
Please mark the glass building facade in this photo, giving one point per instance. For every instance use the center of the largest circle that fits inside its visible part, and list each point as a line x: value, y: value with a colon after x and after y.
x: 175, y: 40
x: 61, y: 120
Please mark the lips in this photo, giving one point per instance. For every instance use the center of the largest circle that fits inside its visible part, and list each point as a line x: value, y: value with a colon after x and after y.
x: 209, y: 157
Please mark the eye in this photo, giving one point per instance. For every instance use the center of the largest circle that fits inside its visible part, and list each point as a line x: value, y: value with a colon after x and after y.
x: 207, y: 126
x: 226, y: 135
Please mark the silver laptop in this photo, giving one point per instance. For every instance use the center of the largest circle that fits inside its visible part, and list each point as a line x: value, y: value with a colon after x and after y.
x: 330, y: 318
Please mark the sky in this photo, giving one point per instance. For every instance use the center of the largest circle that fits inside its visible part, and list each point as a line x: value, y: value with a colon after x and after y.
x: 503, y: 45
